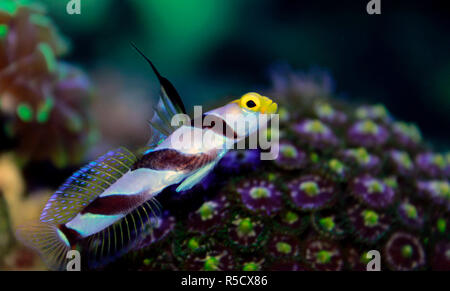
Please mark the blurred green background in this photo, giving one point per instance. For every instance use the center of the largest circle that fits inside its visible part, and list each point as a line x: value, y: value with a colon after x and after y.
x: 214, y: 48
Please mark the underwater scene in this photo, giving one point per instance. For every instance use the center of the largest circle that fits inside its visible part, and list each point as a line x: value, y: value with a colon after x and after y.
x: 224, y: 135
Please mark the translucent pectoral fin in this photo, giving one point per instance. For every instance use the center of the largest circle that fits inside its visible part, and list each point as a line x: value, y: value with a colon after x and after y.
x: 195, y: 178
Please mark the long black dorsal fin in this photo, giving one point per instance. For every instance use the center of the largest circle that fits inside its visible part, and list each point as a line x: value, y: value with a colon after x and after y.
x: 166, y: 86
x: 169, y: 105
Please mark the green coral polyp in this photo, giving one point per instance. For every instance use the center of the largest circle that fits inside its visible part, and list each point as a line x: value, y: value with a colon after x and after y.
x: 259, y: 192
x: 290, y: 217
x: 284, y: 248
x: 371, y: 218
x: 439, y: 161
x: 211, y: 264
x: 193, y: 244
x: 442, y: 188
x: 369, y: 126
x: 327, y: 223
x: 407, y: 251
x: 411, y: 211
x: 289, y: 151
x: 207, y: 210
x: 325, y: 110
x: 49, y: 56
x: 251, y: 266
x: 323, y: 256
x: 361, y: 155
x: 25, y: 112
x: 316, y: 126
x: 336, y: 166
x: 3, y: 30
x: 364, y: 259
x: 43, y: 112
x: 441, y: 225
x: 375, y: 187
x: 245, y: 226
x: 310, y: 188
x: 380, y: 111
x: 391, y: 182
x: 409, y: 130
x: 406, y: 160
x: 314, y: 157
x: 362, y: 113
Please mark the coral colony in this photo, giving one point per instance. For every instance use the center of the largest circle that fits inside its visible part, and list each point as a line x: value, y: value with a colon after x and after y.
x: 348, y: 179
x: 43, y: 101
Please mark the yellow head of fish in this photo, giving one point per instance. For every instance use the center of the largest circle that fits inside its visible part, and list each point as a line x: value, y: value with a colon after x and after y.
x: 257, y: 103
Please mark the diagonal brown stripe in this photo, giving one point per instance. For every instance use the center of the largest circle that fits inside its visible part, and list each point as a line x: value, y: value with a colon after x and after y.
x: 170, y: 159
x: 114, y: 204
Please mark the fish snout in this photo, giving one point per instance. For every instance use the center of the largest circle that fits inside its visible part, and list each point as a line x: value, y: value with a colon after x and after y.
x: 268, y: 106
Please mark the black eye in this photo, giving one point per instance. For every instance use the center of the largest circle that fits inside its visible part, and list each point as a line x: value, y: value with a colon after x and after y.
x: 251, y: 104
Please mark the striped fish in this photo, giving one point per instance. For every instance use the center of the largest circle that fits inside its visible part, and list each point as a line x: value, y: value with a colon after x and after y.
x: 106, y: 207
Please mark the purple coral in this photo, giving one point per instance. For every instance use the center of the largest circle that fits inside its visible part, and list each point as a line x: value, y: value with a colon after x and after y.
x: 368, y: 225
x: 407, y: 135
x: 311, y: 192
x: 290, y: 221
x: 260, y: 196
x: 328, y: 114
x: 217, y: 259
x: 336, y: 169
x: 161, y: 227
x: 437, y: 191
x: 431, y: 164
x: 329, y: 223
x: 290, y: 157
x: 411, y: 215
x: 209, y: 216
x: 315, y: 133
x: 372, y: 191
x: 401, y: 162
x: 246, y: 232
x: 283, y: 246
x: 404, y: 252
x: 323, y: 255
x: 367, y: 133
x: 373, y: 112
x: 363, y: 159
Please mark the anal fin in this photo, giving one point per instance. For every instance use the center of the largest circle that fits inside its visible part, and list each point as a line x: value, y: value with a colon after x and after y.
x: 195, y: 178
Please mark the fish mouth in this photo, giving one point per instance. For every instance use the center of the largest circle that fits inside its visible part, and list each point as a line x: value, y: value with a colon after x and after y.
x: 269, y: 107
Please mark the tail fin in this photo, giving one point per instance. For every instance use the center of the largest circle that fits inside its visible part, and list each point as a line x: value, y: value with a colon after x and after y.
x: 48, y: 240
